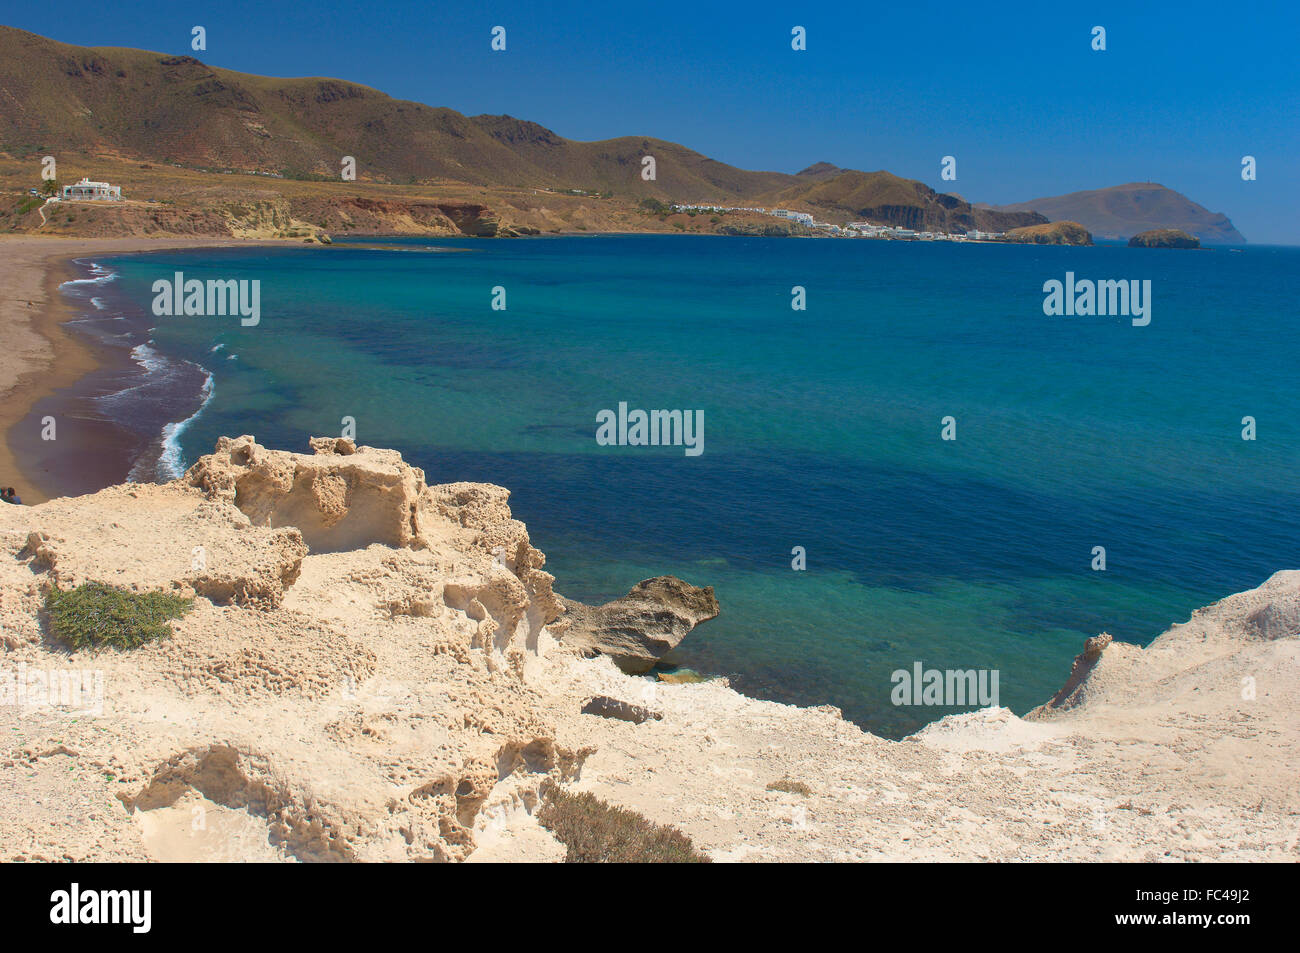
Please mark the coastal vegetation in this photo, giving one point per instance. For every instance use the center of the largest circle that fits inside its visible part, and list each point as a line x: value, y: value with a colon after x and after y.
x: 596, y: 833
x: 790, y: 786
x: 95, y: 615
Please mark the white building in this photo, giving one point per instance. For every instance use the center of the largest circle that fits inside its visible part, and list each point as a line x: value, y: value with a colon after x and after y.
x: 803, y: 218
x: 87, y: 191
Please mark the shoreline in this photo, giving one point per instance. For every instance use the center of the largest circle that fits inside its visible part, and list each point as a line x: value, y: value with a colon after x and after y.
x: 43, y: 356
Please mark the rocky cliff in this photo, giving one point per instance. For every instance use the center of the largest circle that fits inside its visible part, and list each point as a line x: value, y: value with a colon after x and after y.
x: 378, y: 669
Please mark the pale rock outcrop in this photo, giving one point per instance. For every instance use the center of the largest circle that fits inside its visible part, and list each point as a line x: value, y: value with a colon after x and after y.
x: 316, y: 703
x: 341, y: 498
x: 145, y: 538
x: 1118, y: 674
x: 641, y: 627
x: 1186, y: 750
x: 482, y: 511
x: 1075, y: 690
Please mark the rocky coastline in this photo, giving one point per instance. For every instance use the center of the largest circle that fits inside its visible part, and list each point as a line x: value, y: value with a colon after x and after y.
x: 376, y: 669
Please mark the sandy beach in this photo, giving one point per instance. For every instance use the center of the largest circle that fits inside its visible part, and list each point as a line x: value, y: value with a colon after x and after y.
x: 40, y: 355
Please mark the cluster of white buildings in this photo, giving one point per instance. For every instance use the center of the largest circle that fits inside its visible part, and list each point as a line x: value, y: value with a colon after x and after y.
x: 803, y: 218
x: 889, y: 232
x: 852, y: 229
x: 800, y: 218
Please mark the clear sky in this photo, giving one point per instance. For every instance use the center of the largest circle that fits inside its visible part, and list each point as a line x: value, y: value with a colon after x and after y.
x: 1013, y: 90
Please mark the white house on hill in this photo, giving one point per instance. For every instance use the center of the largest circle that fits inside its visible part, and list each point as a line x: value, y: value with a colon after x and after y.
x: 87, y: 191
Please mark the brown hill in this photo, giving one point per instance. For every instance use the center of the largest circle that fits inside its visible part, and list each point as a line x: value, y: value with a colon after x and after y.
x: 1125, y: 210
x: 615, y: 164
x: 55, y: 97
x: 820, y: 169
x: 886, y: 199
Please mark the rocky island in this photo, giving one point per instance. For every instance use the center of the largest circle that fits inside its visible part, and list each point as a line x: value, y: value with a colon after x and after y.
x: 1164, y: 238
x: 1054, y: 233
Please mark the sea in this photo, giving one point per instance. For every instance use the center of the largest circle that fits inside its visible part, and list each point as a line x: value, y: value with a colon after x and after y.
x: 1096, y: 474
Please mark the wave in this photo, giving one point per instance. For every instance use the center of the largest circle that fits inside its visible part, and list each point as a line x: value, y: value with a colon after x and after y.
x: 101, y: 276
x: 171, y: 462
x: 142, y: 402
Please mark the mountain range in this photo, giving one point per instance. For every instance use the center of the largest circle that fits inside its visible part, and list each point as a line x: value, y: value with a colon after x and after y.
x: 108, y: 104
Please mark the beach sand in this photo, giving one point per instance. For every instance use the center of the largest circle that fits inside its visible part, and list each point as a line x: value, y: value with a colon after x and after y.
x: 40, y: 356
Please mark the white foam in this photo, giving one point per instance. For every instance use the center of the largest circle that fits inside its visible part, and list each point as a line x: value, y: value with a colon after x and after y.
x: 148, y: 358
x: 154, y: 365
x: 102, y: 275
x: 171, y: 464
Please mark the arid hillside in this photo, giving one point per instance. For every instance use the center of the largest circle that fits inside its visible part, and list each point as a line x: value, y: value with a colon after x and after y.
x: 230, y: 153
x: 164, y: 109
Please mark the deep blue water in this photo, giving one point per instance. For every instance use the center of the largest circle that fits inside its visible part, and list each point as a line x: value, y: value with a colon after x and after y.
x: 822, y: 430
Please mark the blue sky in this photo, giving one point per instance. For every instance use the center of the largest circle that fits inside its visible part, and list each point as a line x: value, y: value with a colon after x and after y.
x: 1012, y: 90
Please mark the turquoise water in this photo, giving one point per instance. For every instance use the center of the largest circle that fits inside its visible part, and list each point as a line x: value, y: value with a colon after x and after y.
x: 822, y: 430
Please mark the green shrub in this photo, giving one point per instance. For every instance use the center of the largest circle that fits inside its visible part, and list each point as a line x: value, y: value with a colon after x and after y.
x: 95, y: 615
x: 596, y: 833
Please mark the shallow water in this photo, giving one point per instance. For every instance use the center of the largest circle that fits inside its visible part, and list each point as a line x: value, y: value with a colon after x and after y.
x: 821, y: 430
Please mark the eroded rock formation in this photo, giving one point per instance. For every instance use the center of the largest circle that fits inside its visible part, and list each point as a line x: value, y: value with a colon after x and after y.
x: 349, y: 684
x: 643, y: 626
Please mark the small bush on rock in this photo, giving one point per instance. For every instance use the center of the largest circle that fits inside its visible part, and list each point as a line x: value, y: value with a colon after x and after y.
x: 95, y: 615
